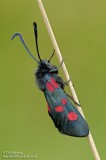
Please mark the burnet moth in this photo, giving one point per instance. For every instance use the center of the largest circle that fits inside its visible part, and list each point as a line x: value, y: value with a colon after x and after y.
x: 65, y: 116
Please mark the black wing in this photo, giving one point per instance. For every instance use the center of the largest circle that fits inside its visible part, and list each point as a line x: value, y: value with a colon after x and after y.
x: 64, y: 115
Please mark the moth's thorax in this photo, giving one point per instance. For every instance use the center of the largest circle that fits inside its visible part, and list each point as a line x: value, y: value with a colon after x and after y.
x: 45, y: 69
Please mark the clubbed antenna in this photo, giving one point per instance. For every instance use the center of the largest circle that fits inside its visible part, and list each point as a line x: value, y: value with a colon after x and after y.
x: 24, y: 44
x: 36, y: 38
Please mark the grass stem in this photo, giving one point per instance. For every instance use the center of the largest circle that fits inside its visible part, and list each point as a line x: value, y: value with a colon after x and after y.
x: 58, y: 53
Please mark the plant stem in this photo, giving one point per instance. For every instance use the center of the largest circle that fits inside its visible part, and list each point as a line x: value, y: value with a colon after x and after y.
x: 55, y: 45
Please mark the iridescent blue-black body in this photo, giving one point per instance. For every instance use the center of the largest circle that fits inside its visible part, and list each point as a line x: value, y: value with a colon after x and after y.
x: 64, y: 115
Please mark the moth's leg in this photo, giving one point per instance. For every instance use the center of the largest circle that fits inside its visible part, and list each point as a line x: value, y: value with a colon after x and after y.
x: 61, y: 82
x: 72, y: 99
x: 66, y: 83
x: 60, y: 64
x: 56, y: 69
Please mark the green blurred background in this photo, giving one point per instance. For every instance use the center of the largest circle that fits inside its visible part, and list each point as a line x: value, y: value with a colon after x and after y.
x: 80, y: 30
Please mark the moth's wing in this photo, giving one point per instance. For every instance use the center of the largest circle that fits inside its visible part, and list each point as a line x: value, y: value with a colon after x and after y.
x: 64, y: 115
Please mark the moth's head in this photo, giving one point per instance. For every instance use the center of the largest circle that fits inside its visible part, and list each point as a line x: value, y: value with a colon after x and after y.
x: 46, y: 67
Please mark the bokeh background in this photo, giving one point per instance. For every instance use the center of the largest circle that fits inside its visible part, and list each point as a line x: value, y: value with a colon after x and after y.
x: 80, y: 30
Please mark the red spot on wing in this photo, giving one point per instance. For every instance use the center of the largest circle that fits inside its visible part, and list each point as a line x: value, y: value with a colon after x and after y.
x: 72, y: 116
x: 50, y: 87
x: 49, y: 109
x: 53, y: 82
x: 59, y: 108
x: 63, y: 101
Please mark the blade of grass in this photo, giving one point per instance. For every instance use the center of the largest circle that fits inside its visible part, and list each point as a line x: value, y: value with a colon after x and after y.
x: 55, y: 45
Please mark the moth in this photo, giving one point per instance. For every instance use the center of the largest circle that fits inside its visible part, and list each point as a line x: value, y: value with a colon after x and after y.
x: 65, y: 116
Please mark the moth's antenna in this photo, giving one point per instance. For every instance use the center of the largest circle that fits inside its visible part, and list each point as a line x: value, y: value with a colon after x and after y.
x: 36, y: 38
x: 51, y: 56
x: 24, y: 44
